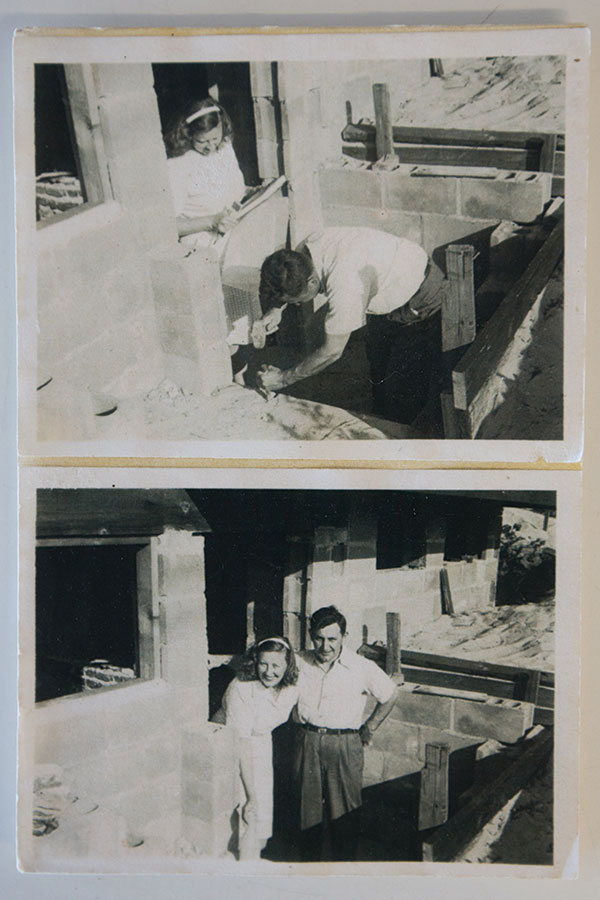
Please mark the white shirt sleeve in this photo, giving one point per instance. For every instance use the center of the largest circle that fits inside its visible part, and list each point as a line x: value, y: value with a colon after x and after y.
x: 238, y: 708
x: 348, y: 298
x: 378, y: 683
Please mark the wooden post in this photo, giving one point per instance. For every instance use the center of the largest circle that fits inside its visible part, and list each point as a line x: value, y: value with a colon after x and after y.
x: 548, y: 152
x: 433, y: 796
x: 456, y: 421
x: 447, y: 605
x: 458, y: 304
x: 392, y: 656
x: 384, y: 139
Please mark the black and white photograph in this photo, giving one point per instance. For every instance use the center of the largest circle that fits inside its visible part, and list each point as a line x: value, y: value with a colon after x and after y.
x: 254, y: 247
x: 332, y: 669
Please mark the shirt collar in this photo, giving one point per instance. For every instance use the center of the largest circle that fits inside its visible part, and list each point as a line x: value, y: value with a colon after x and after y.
x: 344, y: 660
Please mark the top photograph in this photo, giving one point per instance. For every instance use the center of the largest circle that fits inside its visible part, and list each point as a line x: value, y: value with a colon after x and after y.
x: 363, y: 245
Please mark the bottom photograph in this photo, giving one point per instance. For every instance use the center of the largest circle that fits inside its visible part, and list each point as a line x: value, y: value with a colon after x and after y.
x: 288, y: 675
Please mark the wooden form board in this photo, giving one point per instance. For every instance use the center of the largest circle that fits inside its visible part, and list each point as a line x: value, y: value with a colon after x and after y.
x: 506, y: 682
x: 433, y: 793
x: 458, y: 303
x: 521, y: 151
x: 483, y: 356
x: 447, y: 842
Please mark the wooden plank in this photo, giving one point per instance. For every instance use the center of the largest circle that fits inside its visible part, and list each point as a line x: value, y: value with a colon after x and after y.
x: 458, y: 302
x: 433, y: 793
x: 392, y: 655
x: 548, y: 153
x: 558, y: 187
x: 559, y: 163
x: 447, y: 605
x: 404, y: 134
x: 384, y: 141
x: 530, y: 687
x: 89, y: 149
x: 438, y: 155
x: 507, y: 689
x: 456, y: 421
x: 454, y: 663
x: 543, y: 716
x: 445, y: 844
x: 481, y: 359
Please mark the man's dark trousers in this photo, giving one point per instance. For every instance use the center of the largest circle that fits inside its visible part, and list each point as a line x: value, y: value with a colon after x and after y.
x: 328, y: 771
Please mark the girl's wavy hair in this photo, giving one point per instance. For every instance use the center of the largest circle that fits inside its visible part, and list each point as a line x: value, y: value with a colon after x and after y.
x: 249, y: 671
x: 179, y: 138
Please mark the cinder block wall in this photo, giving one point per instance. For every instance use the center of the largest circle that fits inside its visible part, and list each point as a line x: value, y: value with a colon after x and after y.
x: 423, y: 715
x: 104, y: 331
x: 129, y: 749
x: 365, y: 593
x: 447, y: 206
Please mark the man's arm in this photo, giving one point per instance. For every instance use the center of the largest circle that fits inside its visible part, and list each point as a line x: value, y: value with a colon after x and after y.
x: 379, y: 714
x: 274, y: 379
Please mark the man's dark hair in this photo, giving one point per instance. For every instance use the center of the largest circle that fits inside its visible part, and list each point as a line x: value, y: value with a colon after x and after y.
x: 283, y: 272
x: 327, y: 615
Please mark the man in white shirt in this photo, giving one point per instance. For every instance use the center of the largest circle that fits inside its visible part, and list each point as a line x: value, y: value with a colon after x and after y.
x: 368, y: 277
x: 334, y: 684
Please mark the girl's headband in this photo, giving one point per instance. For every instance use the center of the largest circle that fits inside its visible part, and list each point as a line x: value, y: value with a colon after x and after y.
x: 276, y: 640
x: 201, y: 112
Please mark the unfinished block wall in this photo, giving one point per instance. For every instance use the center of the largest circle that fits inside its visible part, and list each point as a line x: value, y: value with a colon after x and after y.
x: 344, y: 573
x: 434, y: 205
x: 108, y: 328
x: 424, y: 715
x: 135, y: 750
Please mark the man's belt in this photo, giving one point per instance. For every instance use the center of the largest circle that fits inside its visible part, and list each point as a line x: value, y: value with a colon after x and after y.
x: 319, y: 729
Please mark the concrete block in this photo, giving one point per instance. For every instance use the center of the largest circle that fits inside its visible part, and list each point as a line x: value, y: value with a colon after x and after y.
x: 350, y: 187
x: 410, y: 192
x: 268, y: 158
x: 199, y: 798
x: 261, y: 79
x: 294, y: 119
x: 264, y: 118
x: 423, y: 709
x: 431, y: 580
x: 70, y: 741
x: 455, y: 742
x: 518, y: 196
x: 399, y: 766
x: 402, y: 224
x: 439, y: 231
x: 396, y: 736
x: 373, y: 766
x: 502, y: 720
x: 177, y: 335
x: 208, y: 748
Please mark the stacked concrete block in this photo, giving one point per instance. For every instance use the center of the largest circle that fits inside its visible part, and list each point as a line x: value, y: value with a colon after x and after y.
x: 208, y: 788
x: 190, y: 311
x: 472, y: 584
x: 496, y: 719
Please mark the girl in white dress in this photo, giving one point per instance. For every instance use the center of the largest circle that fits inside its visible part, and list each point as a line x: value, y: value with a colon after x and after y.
x: 205, y: 177
x: 258, y: 700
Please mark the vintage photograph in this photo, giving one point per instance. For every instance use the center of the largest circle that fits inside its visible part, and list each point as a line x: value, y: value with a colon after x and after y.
x: 299, y: 247
x: 296, y: 675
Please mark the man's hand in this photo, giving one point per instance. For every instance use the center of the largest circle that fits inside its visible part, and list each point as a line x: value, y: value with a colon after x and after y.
x: 268, y: 324
x: 270, y: 378
x: 366, y: 734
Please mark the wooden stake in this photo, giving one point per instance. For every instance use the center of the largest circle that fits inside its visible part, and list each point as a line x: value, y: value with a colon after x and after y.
x: 456, y: 421
x: 383, y: 122
x: 447, y: 605
x: 392, y: 656
x: 458, y: 304
x: 433, y: 795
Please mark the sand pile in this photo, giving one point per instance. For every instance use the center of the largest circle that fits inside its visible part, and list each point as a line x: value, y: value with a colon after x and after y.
x: 502, y: 93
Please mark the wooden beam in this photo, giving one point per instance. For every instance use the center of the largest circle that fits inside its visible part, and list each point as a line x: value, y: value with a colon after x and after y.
x: 456, y: 421
x: 458, y: 302
x: 548, y: 152
x: 447, y: 605
x: 392, y: 655
x: 442, y: 155
x: 483, y: 356
x: 383, y: 121
x: 433, y: 794
x: 407, y: 134
x: 447, y: 842
x: 477, y: 667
